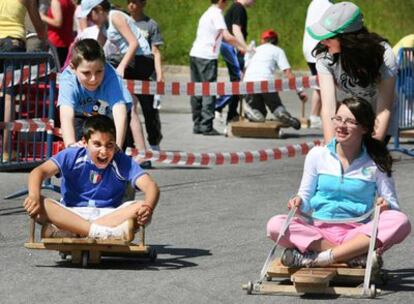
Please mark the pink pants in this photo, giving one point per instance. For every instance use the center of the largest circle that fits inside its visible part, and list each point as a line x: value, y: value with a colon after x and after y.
x: 393, y: 228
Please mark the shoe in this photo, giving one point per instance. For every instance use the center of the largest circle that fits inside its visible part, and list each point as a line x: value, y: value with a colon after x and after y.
x: 197, y: 131
x: 291, y: 257
x: 6, y: 157
x: 361, y: 262
x: 155, y: 148
x: 315, y: 122
x: 254, y: 115
x: 124, y: 231
x: 146, y: 164
x: 212, y: 132
x: 219, y: 116
x: 287, y: 120
x: 51, y: 231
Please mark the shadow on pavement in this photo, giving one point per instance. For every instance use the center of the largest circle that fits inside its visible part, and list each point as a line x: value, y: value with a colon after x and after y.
x: 169, y: 258
x: 399, y: 280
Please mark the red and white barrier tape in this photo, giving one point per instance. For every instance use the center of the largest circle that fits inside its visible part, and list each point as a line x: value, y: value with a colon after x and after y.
x: 10, y: 78
x: 31, y: 125
x: 220, y: 88
x: 226, y: 158
x: 179, y: 88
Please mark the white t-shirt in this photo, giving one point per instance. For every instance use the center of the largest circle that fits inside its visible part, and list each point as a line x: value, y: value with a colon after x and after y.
x: 315, y: 11
x: 209, y: 34
x: 265, y: 61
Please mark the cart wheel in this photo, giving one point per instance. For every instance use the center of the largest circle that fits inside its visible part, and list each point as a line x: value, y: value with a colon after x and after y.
x: 63, y: 255
x: 152, y: 255
x: 373, y: 291
x: 85, y: 258
x: 249, y: 287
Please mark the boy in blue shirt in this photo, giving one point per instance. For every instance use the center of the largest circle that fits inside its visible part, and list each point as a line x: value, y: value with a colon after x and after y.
x: 90, y: 86
x: 94, y: 179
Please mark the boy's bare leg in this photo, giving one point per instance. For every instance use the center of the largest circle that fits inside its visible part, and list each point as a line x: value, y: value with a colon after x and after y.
x: 120, y: 215
x: 135, y: 126
x: 63, y: 218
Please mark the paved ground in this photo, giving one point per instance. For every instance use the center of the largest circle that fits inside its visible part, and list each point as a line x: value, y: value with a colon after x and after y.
x: 209, y: 230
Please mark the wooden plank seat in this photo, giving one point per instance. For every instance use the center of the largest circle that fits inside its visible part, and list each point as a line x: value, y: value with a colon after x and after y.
x: 338, y: 279
x: 246, y: 128
x: 88, y: 250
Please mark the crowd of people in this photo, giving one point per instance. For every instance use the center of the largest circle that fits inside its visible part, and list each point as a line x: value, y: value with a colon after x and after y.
x: 99, y: 117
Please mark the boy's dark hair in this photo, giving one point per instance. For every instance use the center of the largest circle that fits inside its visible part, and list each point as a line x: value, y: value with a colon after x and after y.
x: 86, y: 49
x: 98, y: 123
x: 106, y: 5
x: 214, y: 1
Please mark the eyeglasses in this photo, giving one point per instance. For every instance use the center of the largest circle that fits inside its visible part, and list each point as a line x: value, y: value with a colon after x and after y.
x: 349, y: 122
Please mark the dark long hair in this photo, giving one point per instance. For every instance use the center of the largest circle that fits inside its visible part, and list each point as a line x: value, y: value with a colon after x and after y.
x: 361, y: 56
x: 365, y: 116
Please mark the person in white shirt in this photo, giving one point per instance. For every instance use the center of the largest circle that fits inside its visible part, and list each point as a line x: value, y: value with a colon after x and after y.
x: 261, y: 67
x: 315, y: 11
x: 203, y: 63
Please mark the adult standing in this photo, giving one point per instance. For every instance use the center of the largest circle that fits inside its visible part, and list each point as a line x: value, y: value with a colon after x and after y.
x: 12, y: 24
x: 315, y: 11
x: 203, y: 63
x: 151, y: 31
x: 354, y: 62
x: 13, y: 39
x: 60, y: 28
x: 236, y: 21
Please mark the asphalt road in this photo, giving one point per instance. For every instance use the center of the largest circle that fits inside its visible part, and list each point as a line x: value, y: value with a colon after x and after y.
x: 208, y: 230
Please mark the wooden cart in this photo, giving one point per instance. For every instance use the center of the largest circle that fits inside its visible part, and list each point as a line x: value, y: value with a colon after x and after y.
x: 337, y: 279
x: 86, y: 251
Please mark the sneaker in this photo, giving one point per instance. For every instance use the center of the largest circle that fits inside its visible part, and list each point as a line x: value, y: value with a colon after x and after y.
x: 287, y: 120
x: 252, y: 114
x: 361, y: 261
x: 291, y: 257
x: 146, y: 164
x: 219, y: 116
x: 212, y: 132
x: 124, y: 231
x: 315, y: 122
x: 155, y: 148
x: 51, y: 231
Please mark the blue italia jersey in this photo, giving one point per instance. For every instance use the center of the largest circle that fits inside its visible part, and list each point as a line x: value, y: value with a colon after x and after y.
x: 101, y: 101
x: 331, y: 193
x: 85, y: 185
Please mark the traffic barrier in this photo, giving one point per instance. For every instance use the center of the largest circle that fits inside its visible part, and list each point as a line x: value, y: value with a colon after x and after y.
x: 28, y: 87
x: 223, y: 158
x: 405, y: 96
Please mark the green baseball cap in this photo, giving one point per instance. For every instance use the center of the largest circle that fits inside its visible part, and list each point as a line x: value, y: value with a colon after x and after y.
x: 342, y: 17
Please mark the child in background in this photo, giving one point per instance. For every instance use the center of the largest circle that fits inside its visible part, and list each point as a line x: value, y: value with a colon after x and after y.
x: 94, y: 178
x: 151, y: 31
x: 261, y: 67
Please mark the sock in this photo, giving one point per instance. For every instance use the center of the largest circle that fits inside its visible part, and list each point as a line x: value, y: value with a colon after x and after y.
x: 102, y: 232
x: 324, y: 258
x: 314, y: 118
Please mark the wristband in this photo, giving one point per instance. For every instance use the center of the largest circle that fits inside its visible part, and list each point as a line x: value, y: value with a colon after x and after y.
x: 148, y: 207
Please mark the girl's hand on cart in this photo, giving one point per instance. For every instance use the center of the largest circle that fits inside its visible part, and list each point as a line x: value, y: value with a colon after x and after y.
x: 295, y: 201
x: 382, y: 203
